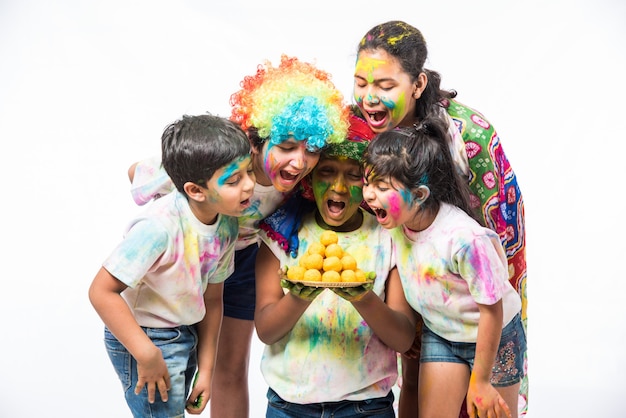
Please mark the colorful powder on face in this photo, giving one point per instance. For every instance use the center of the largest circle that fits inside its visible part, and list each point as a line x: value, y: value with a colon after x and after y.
x: 269, y: 163
x: 407, y: 197
x: 368, y: 65
x: 389, y: 104
x: 214, y: 196
x: 238, y: 164
x: 397, y: 108
x: 356, y: 195
x: 319, y: 189
x: 394, y: 204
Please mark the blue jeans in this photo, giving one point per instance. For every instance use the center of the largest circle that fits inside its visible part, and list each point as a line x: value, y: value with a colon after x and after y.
x: 178, y: 346
x: 379, y: 407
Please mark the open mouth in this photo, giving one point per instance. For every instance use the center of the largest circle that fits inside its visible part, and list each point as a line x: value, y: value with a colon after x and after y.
x: 335, y: 207
x: 381, y: 214
x: 288, y: 176
x: 377, y: 120
x: 377, y: 116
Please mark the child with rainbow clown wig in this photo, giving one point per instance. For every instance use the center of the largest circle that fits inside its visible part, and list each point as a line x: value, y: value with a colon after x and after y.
x: 291, y: 112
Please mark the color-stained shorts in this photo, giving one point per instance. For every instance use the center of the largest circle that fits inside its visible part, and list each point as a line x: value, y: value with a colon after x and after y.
x: 239, y: 288
x: 509, y: 366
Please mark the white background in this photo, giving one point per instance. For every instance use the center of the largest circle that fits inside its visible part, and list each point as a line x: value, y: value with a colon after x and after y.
x: 86, y: 89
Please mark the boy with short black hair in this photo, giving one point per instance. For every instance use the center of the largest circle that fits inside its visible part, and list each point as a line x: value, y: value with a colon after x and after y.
x: 160, y: 292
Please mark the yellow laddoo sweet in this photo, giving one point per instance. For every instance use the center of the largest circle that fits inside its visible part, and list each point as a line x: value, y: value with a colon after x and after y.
x: 334, y: 250
x: 327, y: 261
x: 312, y: 275
x: 296, y: 273
x: 329, y: 237
x: 348, y: 276
x: 348, y: 262
x: 332, y: 263
x: 359, y: 276
x: 313, y: 261
x: 317, y: 248
x: 331, y: 276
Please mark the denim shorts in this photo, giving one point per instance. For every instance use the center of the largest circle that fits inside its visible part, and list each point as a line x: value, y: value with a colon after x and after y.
x: 178, y: 346
x: 378, y: 407
x: 509, y: 365
x: 239, y: 288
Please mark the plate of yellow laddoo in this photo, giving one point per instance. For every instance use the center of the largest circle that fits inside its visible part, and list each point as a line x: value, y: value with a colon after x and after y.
x: 326, y: 264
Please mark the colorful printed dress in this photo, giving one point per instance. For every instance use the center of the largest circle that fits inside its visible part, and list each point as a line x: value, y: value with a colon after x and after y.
x: 497, y: 199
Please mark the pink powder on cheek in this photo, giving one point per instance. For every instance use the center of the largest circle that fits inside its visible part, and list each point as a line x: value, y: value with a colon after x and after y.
x: 394, y: 205
x: 271, y: 165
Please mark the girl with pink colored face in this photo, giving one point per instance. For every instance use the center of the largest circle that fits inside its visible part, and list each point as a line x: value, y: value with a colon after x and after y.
x: 454, y: 274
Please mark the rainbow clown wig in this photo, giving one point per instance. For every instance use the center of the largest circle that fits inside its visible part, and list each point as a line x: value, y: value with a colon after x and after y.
x: 295, y: 99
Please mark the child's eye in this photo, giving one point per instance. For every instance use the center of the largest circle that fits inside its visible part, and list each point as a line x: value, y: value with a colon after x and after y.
x: 325, y: 171
x: 380, y: 186
x: 386, y: 86
x: 233, y: 180
x: 313, y: 151
x: 355, y: 176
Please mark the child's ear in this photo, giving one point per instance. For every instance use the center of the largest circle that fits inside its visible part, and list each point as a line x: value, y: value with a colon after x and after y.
x: 194, y: 191
x: 422, y: 193
x: 420, y: 85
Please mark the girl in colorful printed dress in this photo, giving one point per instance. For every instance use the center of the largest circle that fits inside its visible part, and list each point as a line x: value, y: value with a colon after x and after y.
x: 454, y: 274
x: 332, y: 352
x: 392, y: 88
x: 290, y: 112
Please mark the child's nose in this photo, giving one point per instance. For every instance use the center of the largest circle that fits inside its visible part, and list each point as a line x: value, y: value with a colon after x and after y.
x: 339, y: 185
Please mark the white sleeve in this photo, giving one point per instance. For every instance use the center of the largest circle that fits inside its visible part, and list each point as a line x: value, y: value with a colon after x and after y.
x: 150, y: 181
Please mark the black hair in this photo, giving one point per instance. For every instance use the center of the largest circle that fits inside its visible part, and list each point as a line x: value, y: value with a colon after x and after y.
x: 195, y: 147
x: 255, y: 139
x: 419, y: 156
x: 407, y: 44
